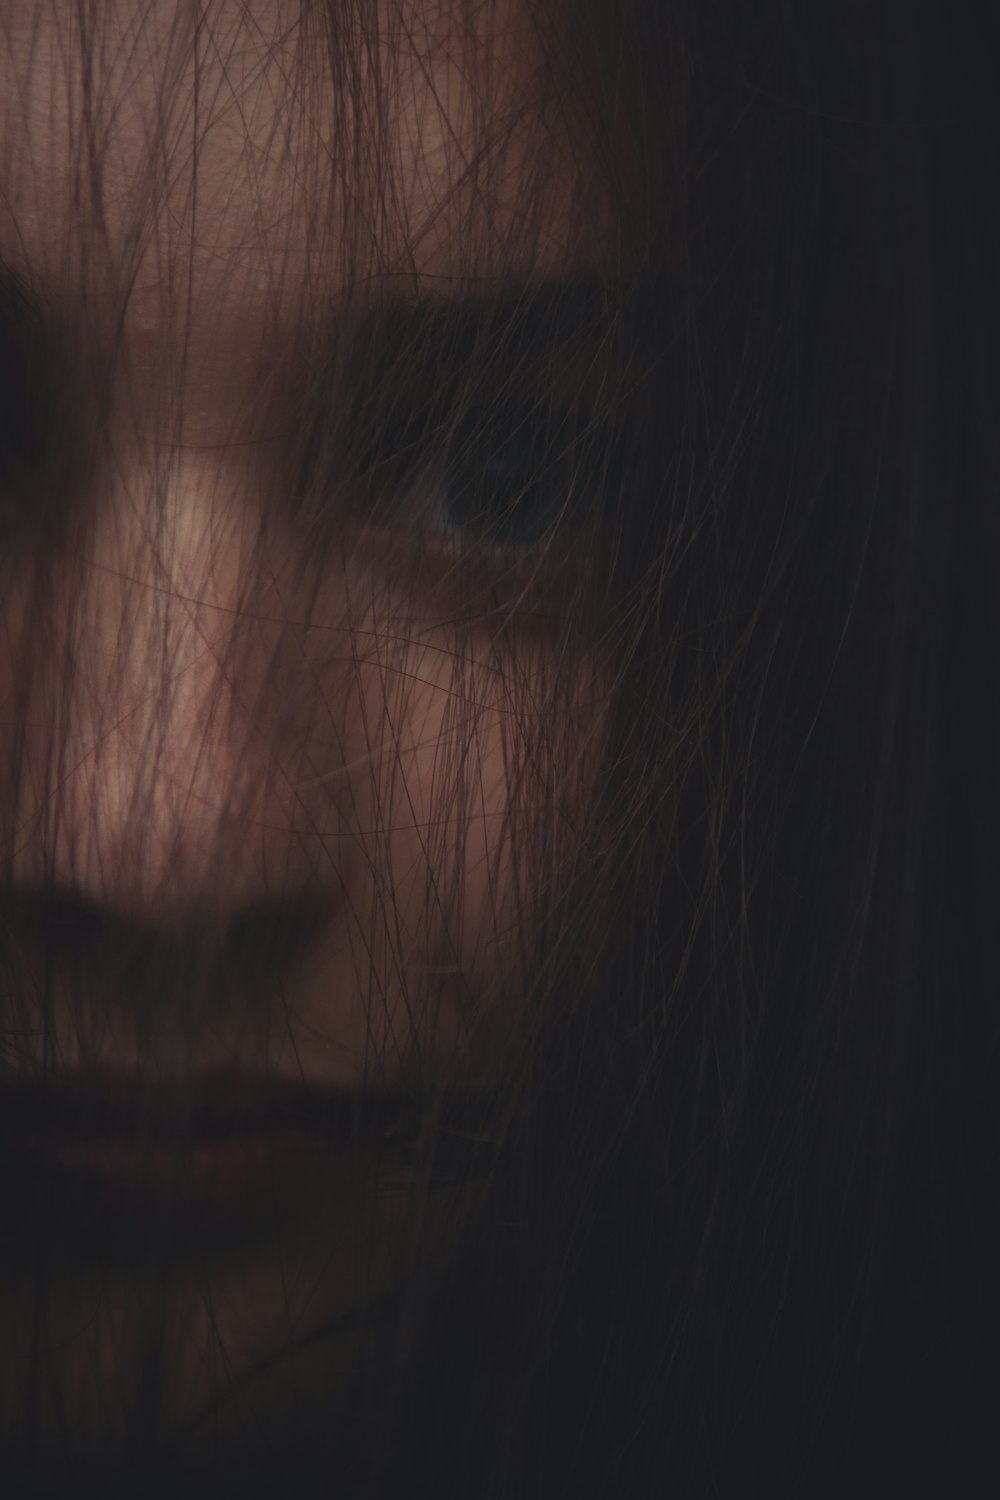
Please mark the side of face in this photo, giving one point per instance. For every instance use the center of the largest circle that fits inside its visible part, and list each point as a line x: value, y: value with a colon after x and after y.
x: 213, y: 708
x: 240, y: 687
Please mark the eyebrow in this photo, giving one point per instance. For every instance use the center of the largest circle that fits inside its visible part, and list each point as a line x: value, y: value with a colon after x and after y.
x: 408, y: 362
x: 523, y: 317
x: 429, y: 345
x: 416, y: 360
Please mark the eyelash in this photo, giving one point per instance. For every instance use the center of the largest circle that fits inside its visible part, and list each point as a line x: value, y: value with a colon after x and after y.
x: 501, y: 477
x: 486, y: 429
x: 505, y: 473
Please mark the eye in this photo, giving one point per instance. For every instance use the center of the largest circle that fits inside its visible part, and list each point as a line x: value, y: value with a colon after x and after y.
x: 508, y: 476
x: 496, y: 424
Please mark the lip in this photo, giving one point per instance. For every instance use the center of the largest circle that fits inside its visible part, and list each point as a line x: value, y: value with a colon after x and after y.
x: 212, y: 1105
x: 108, y: 1168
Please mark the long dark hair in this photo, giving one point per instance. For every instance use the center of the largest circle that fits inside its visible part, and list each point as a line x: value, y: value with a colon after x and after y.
x: 728, y: 1228
x: 749, y: 1248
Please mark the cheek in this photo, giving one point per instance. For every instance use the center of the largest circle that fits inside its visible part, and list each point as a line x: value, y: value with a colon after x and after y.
x: 481, y: 789
x: 451, y: 840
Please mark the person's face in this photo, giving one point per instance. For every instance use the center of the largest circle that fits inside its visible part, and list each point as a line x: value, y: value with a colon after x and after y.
x: 276, y: 771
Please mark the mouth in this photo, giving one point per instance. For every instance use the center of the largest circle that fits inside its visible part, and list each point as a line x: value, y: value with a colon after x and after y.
x: 109, y: 1168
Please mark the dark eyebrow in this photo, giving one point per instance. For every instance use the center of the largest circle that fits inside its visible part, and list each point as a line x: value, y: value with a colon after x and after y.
x: 375, y: 363
x: 391, y: 382
x: 522, y: 319
x: 429, y: 350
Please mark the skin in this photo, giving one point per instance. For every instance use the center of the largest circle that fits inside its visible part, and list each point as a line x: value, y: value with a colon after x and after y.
x: 231, y: 727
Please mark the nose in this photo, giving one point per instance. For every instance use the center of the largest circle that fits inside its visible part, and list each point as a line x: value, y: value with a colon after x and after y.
x: 86, y: 949
x: 152, y: 740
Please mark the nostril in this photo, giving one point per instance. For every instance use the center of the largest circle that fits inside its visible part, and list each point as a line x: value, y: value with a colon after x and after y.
x: 48, y: 934
x: 72, y: 930
x: 237, y: 953
x: 269, y: 938
x: 27, y: 400
x: 61, y: 927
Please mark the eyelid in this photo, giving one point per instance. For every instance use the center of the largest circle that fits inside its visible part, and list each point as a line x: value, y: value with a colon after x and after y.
x: 505, y: 475
x: 412, y: 394
x: 431, y: 372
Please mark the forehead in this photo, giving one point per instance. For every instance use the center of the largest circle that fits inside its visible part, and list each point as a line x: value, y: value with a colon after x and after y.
x: 233, y: 153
